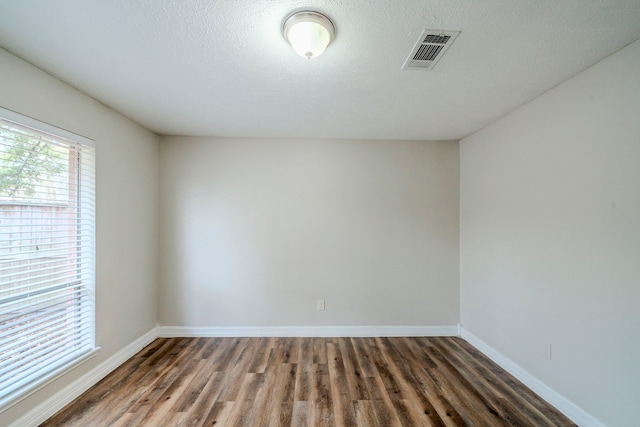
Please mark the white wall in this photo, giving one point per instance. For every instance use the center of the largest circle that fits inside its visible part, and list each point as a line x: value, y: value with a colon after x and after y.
x: 126, y: 209
x: 550, y: 237
x: 254, y: 231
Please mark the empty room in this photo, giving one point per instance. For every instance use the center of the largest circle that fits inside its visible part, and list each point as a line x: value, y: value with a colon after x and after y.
x: 319, y: 213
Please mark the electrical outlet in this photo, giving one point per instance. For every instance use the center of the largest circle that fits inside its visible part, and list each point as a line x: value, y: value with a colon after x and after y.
x: 320, y: 305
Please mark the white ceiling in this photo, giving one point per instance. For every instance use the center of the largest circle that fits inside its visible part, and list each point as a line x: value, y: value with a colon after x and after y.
x: 222, y: 68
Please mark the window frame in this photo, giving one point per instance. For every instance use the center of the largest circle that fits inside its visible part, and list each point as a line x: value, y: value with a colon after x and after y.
x: 71, y: 140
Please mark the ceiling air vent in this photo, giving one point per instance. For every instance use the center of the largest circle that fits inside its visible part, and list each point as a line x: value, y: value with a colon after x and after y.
x: 430, y: 47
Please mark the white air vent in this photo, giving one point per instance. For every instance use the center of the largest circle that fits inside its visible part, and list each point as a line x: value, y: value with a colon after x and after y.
x: 430, y: 47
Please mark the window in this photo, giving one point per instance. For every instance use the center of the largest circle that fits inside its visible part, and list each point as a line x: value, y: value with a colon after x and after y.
x: 47, y: 308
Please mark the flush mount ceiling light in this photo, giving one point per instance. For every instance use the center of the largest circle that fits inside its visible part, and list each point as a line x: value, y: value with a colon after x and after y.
x: 308, y: 32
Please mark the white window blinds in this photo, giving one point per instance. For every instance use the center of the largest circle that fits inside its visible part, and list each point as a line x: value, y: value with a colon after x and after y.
x: 47, y: 186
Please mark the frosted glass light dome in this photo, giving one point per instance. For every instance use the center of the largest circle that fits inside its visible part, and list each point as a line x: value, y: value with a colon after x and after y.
x: 309, y: 33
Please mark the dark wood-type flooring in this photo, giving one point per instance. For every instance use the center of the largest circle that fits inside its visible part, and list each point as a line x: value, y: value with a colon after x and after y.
x: 382, y: 382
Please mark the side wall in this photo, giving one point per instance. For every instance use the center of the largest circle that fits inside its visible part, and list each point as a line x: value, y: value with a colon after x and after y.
x: 254, y: 231
x: 126, y: 210
x: 550, y: 237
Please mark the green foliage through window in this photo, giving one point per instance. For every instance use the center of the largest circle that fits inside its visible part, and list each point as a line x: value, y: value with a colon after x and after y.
x: 32, y: 168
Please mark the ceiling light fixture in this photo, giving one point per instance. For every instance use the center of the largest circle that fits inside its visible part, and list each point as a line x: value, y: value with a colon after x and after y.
x: 308, y: 32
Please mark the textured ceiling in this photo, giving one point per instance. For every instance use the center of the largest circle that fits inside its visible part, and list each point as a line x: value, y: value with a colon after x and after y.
x: 222, y: 68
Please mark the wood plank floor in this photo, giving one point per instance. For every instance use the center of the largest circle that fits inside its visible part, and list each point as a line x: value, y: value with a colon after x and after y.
x: 441, y: 381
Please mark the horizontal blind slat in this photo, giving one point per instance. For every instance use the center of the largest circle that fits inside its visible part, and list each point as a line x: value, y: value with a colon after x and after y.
x: 27, y: 292
x: 60, y: 263
x: 41, y: 360
x: 8, y: 269
x: 27, y: 322
x: 61, y: 240
x: 15, y: 310
x: 64, y: 273
x: 26, y: 360
x: 62, y: 327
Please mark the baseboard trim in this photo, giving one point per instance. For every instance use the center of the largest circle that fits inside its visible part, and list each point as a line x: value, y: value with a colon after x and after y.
x: 46, y: 409
x: 309, y: 331
x: 574, y: 412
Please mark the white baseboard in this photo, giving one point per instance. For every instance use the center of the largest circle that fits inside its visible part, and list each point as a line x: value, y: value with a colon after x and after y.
x: 568, y: 408
x: 309, y: 331
x: 46, y: 409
